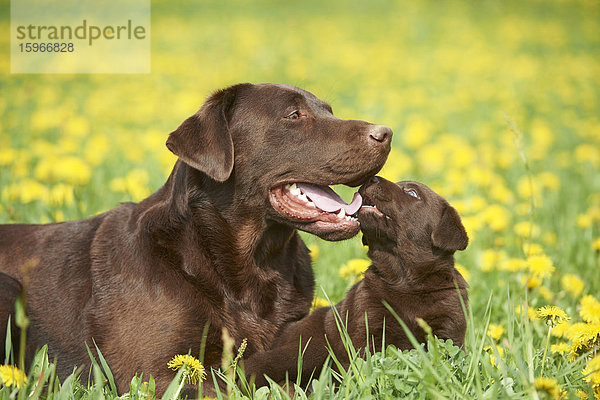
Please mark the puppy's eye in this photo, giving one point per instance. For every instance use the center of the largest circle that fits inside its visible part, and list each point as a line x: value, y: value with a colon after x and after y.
x: 294, y: 115
x: 412, y: 192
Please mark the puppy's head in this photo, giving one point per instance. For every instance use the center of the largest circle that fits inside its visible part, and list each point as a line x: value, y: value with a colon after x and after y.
x: 409, y: 217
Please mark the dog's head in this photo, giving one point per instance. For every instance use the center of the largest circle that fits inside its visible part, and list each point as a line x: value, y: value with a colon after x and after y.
x: 408, y: 217
x: 277, y: 148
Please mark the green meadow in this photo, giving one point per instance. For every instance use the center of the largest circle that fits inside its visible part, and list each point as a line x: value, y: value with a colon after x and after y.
x: 493, y: 104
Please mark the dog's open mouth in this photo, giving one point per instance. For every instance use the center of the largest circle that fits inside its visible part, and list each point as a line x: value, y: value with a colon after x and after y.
x: 369, y: 214
x: 369, y: 206
x: 307, y: 202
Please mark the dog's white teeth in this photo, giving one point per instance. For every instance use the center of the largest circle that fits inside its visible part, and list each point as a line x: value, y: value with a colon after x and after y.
x: 310, y: 204
x: 303, y: 197
x: 342, y: 213
x: 351, y: 219
x: 295, y: 190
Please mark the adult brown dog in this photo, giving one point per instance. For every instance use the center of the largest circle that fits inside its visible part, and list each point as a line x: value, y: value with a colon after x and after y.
x: 217, y: 244
x: 412, y: 234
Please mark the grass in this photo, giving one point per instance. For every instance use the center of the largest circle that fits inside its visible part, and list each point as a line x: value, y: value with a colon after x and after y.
x: 494, y: 105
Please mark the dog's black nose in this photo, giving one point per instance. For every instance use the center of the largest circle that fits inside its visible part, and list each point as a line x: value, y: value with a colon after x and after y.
x: 380, y: 133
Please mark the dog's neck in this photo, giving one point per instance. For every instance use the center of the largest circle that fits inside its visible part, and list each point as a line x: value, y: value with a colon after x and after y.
x: 189, y: 199
x: 401, y: 269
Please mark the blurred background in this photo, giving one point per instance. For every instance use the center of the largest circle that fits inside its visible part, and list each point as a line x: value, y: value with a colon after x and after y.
x: 494, y: 104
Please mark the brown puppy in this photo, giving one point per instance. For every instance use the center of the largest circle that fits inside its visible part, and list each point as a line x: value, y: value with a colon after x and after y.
x: 216, y: 245
x: 412, y: 234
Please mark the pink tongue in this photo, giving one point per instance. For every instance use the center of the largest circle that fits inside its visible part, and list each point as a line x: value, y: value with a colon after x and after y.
x: 327, y: 200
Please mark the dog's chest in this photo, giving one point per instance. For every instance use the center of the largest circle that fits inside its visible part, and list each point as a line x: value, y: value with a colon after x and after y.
x: 267, y: 304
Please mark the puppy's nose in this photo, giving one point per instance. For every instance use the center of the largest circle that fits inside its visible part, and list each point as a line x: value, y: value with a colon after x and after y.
x: 380, y: 133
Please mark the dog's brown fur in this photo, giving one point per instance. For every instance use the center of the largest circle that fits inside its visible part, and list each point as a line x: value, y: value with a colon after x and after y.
x: 208, y: 248
x: 411, y: 245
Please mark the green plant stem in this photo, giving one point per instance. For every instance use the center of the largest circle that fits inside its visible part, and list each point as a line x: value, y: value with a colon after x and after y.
x: 546, y: 347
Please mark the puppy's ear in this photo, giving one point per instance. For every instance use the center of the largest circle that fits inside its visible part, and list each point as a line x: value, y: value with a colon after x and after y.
x: 450, y: 234
x: 203, y: 141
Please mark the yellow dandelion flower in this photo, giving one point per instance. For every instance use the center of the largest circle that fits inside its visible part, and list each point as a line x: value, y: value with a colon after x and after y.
x: 513, y: 265
x: 579, y: 331
x: 314, y: 251
x: 30, y: 190
x: 596, y: 244
x: 501, y: 194
x: 560, y: 348
x: 572, y: 284
x: 591, y: 372
x: 584, y: 337
x: 561, y: 329
x: 69, y: 169
x: 553, y: 315
x: 477, y: 203
x: 531, y: 281
x: 500, y: 351
x: 548, y: 386
x: 545, y: 293
x: 417, y: 132
x: 495, y: 331
x: 526, y: 229
x: 194, y: 370
x: 497, y: 217
x: 319, y: 302
x: 59, y: 216
x: 134, y: 183
x: 490, y: 259
x: 12, y: 376
x: 590, y: 309
x: 355, y: 267
x: 584, y: 221
x: 473, y: 224
x: 76, y: 127
x: 44, y: 119
x: 522, y: 209
x: 531, y: 312
x: 594, y: 212
x: 463, y: 271
x: 527, y: 188
x: 61, y: 194
x: 96, y: 149
x: 587, y: 153
x: 532, y: 249
x: 7, y: 156
x: 540, y: 266
x: 549, y: 180
x: 581, y: 394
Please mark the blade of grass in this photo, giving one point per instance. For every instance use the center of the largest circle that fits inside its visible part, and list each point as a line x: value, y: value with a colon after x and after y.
x: 8, y: 343
x: 107, y: 371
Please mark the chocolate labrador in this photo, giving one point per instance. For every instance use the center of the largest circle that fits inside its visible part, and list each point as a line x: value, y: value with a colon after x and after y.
x: 412, y: 234
x: 216, y: 246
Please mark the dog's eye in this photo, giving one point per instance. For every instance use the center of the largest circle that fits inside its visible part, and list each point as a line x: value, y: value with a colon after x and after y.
x: 412, y: 192
x: 294, y: 115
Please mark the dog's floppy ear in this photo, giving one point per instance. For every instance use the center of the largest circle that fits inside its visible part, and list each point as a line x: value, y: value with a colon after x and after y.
x: 203, y: 141
x: 450, y: 234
